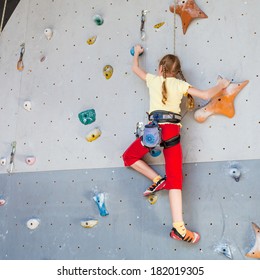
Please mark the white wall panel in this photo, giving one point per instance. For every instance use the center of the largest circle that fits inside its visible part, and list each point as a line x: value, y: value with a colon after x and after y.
x: 70, y: 80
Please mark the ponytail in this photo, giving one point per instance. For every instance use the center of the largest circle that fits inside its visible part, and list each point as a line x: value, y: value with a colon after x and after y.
x: 190, y: 104
x: 164, y: 90
x: 171, y: 65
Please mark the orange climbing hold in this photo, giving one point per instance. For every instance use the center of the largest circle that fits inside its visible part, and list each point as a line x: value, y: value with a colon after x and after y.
x: 222, y: 103
x: 255, y: 251
x: 187, y: 10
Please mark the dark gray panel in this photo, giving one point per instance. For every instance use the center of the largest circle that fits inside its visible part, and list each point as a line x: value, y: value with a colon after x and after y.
x: 217, y: 206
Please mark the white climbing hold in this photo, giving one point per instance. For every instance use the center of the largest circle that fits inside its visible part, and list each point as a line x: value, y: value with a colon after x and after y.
x: 235, y: 173
x: 225, y: 250
x: 3, y: 161
x: 33, y: 223
x: 48, y: 33
x: 30, y: 160
x: 2, y: 201
x: 89, y: 223
x: 27, y: 105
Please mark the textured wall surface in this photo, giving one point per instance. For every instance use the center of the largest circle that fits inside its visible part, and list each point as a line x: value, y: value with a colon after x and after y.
x: 59, y: 187
x: 70, y: 80
x: 220, y: 208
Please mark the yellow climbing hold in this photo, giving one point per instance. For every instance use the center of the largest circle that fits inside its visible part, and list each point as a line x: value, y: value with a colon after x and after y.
x: 89, y: 223
x: 108, y: 71
x: 158, y: 25
x: 93, y: 134
x: 92, y: 40
x: 152, y: 198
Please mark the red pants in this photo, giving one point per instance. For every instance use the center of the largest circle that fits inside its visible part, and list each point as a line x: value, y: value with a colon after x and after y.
x: 172, y: 156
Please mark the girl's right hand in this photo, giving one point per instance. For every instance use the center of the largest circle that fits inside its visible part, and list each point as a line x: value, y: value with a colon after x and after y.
x: 138, y: 49
x: 223, y: 82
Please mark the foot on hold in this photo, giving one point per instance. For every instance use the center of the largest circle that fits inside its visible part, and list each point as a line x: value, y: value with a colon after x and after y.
x: 155, y: 187
x: 189, y: 236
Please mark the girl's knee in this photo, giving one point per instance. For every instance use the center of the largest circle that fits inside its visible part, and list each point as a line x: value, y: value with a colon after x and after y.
x: 128, y: 159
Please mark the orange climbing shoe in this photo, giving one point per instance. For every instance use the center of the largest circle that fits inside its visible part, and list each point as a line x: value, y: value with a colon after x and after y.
x: 155, y: 187
x: 191, y: 237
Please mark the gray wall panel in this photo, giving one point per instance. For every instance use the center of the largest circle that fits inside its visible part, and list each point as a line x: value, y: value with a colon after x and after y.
x: 215, y: 205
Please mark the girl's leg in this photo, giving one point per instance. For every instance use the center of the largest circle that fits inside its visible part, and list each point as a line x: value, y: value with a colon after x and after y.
x: 132, y: 157
x: 179, y: 230
x: 175, y: 198
x: 143, y: 168
x: 173, y: 169
x: 158, y: 182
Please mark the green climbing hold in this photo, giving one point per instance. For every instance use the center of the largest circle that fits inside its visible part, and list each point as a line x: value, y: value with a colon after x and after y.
x: 98, y: 19
x: 87, y: 117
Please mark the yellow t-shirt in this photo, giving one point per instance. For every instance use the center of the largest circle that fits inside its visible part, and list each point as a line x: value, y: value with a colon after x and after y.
x: 176, y: 89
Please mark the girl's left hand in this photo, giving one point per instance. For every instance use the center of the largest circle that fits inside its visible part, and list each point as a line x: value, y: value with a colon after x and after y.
x: 138, y: 49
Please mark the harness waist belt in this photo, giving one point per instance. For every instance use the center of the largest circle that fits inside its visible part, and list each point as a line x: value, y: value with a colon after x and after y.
x: 164, y: 116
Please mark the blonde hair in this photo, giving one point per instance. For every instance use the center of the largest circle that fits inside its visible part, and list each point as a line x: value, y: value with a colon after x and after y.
x: 171, y: 67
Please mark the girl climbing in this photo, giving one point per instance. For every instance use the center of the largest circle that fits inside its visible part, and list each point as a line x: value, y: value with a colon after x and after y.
x: 166, y: 92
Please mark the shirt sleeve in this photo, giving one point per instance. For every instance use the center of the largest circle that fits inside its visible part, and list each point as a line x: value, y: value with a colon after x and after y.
x: 149, y: 78
x: 183, y: 87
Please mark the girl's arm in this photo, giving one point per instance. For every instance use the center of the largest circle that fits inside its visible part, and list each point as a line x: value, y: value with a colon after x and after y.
x: 209, y: 93
x: 135, y: 67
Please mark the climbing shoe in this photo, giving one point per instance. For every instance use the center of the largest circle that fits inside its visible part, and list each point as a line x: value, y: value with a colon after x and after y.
x: 155, y: 187
x: 191, y: 237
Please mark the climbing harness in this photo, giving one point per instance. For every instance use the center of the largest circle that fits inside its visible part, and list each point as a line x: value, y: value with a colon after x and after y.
x: 3, y: 16
x: 152, y: 132
x: 162, y: 116
x: 171, y: 142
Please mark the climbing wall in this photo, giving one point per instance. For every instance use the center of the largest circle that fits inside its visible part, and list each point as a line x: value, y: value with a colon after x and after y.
x: 63, y: 76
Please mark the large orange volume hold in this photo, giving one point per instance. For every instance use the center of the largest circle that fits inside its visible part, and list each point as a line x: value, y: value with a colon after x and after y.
x: 187, y: 10
x: 222, y: 103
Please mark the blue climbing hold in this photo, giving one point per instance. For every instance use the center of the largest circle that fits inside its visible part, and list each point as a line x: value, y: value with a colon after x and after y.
x: 155, y: 152
x: 100, y: 201
x: 132, y: 51
x: 87, y: 117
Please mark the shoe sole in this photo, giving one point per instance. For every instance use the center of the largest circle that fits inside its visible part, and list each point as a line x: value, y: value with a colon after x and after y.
x: 159, y: 188
x: 196, y: 237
